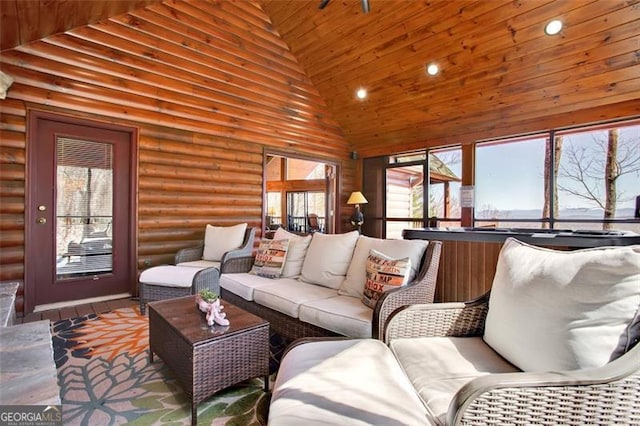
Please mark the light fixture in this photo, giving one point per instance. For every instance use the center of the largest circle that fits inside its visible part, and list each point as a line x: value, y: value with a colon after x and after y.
x: 433, y: 69
x: 553, y: 27
x: 357, y: 218
x: 365, y: 5
x: 361, y: 93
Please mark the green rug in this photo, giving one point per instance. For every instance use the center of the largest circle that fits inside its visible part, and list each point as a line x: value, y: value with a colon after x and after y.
x: 106, y: 379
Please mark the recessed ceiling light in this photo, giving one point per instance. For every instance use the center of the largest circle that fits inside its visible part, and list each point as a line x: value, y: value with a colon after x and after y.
x: 433, y: 69
x: 361, y: 93
x: 553, y: 27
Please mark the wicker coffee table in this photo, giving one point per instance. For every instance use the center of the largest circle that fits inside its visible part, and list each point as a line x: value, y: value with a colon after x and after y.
x: 207, y: 359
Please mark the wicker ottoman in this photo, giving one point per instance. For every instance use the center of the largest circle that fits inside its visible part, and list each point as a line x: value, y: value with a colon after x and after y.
x: 170, y: 281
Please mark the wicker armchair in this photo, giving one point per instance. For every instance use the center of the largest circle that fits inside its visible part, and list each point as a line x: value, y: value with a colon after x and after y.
x: 191, y: 254
x: 605, y: 395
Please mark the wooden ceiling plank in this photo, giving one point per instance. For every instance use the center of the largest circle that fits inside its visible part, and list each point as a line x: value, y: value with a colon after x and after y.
x: 363, y: 58
x: 461, y: 59
x: 523, y: 78
x: 508, y: 63
x: 10, y: 23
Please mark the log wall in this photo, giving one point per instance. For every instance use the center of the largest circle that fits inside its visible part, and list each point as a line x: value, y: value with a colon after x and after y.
x: 207, y: 98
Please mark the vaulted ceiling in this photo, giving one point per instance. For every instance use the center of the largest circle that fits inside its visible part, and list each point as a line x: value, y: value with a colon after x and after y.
x: 500, y: 74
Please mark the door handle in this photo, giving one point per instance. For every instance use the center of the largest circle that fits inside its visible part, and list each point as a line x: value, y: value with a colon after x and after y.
x: 41, y: 220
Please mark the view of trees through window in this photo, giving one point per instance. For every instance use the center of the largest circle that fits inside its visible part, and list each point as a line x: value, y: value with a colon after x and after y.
x: 585, y: 179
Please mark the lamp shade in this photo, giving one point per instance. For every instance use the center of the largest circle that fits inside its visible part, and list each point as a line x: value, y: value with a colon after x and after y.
x: 357, y: 198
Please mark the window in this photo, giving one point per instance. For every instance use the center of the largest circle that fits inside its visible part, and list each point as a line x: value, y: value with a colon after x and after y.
x: 406, y: 198
x: 509, y: 181
x: 585, y: 178
x: 591, y: 188
x: 297, y: 194
x: 445, y: 170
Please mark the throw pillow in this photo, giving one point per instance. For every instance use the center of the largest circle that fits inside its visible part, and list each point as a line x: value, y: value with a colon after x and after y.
x: 555, y: 310
x: 220, y: 239
x: 270, y: 258
x: 298, y: 246
x: 397, y: 249
x: 383, y: 273
x: 328, y: 258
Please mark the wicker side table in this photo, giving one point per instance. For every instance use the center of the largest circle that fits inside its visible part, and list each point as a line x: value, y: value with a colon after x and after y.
x: 207, y: 359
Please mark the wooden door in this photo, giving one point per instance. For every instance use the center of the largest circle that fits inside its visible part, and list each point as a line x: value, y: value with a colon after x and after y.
x: 80, y: 235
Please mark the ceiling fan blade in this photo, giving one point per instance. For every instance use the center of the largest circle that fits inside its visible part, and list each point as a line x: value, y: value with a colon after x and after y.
x: 323, y: 4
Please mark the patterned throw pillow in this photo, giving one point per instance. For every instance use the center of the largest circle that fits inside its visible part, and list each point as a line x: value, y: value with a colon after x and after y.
x: 383, y: 273
x: 270, y: 258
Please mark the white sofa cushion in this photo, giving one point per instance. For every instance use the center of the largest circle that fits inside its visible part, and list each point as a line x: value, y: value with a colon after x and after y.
x: 353, y: 285
x: 562, y: 310
x: 243, y: 284
x: 324, y: 383
x: 296, y: 253
x: 169, y: 276
x: 328, y: 258
x: 201, y: 264
x: 270, y: 258
x: 439, y: 366
x: 287, y: 294
x: 220, y: 239
x: 344, y: 315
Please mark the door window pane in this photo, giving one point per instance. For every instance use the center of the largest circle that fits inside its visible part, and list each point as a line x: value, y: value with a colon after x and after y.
x: 84, y: 207
x: 445, y: 171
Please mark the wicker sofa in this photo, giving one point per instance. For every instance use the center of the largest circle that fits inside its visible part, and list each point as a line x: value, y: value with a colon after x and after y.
x: 554, y: 343
x: 296, y: 307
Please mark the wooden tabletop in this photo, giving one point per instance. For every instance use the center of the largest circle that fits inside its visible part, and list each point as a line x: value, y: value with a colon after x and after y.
x: 184, y: 316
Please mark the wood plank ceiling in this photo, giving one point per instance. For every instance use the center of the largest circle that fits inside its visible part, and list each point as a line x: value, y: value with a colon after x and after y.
x: 500, y: 74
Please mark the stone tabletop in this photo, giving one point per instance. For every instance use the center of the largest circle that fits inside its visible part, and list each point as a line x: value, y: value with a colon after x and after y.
x: 28, y: 373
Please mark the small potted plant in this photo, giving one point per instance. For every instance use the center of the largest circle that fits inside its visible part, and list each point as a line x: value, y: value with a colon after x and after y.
x: 209, y: 303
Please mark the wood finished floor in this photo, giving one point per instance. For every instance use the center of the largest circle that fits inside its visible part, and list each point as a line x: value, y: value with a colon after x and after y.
x: 77, y: 311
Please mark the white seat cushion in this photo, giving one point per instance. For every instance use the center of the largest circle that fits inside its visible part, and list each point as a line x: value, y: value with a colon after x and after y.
x: 243, y: 284
x: 353, y: 285
x: 200, y: 264
x: 439, y: 366
x: 563, y: 310
x: 344, y: 315
x: 169, y: 276
x: 343, y: 382
x: 287, y: 294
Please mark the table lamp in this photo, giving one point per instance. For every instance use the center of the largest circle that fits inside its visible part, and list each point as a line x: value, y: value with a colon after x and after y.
x: 357, y: 218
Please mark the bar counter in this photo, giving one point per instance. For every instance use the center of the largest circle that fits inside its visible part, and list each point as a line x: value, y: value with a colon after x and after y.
x: 470, y: 255
x: 540, y: 237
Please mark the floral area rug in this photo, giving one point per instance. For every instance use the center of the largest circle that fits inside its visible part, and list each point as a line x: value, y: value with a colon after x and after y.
x: 106, y: 379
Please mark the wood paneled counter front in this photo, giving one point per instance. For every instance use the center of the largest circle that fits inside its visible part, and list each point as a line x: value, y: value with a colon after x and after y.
x: 469, y: 255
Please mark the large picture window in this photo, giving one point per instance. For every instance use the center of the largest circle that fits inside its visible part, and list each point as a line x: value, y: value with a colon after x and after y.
x: 577, y: 179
